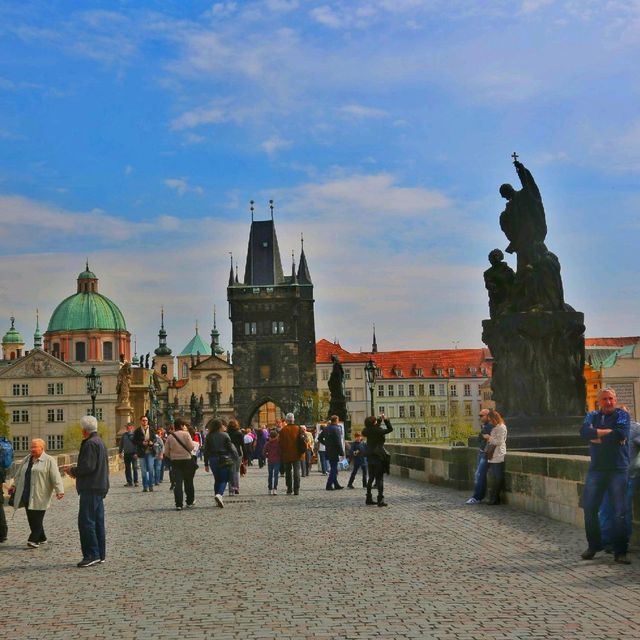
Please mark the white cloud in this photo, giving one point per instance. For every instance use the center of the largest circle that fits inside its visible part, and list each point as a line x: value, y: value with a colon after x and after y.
x: 182, y: 186
x: 128, y: 170
x: 531, y: 6
x: 275, y: 143
x: 212, y: 114
x: 360, y: 111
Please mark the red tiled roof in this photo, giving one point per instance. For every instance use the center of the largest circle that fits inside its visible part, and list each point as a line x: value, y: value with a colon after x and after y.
x: 611, y: 342
x: 462, y: 360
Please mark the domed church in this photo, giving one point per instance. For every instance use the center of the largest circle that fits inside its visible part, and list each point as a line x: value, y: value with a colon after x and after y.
x: 87, y: 326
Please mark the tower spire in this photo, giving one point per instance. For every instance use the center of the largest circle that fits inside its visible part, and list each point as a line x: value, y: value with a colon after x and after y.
x: 37, y: 336
x: 304, y: 277
x: 271, y: 208
x: 294, y: 279
x: 374, y: 344
x: 163, y: 349
x: 231, y: 269
x: 252, y: 208
x: 215, y: 336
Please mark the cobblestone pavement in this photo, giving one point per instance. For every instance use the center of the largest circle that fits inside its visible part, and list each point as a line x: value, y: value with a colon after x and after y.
x: 321, y: 565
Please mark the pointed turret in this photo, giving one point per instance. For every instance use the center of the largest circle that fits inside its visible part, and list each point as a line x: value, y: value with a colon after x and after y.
x: 231, y: 271
x: 294, y: 279
x: 163, y: 349
x: 37, y: 336
x: 215, y: 337
x: 304, y: 277
x: 135, y: 360
x: 374, y: 344
x: 264, y: 266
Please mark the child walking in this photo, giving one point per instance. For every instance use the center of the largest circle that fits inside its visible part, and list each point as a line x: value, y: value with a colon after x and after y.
x: 272, y: 454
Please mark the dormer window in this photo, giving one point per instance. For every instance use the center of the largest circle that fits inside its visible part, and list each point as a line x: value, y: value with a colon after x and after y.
x: 397, y: 371
x: 452, y: 371
x: 419, y: 371
x: 483, y: 371
x: 473, y: 371
x: 439, y: 371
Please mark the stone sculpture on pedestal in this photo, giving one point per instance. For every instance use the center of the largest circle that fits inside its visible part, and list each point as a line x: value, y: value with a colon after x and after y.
x: 536, y: 339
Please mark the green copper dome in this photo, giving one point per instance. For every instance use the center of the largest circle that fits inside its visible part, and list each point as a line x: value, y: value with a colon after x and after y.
x: 87, y: 309
x: 91, y: 311
x: 13, y: 335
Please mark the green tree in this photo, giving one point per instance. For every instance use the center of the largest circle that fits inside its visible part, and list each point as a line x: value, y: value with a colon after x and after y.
x: 460, y: 430
x: 317, y: 404
x: 4, y: 421
x: 73, y: 435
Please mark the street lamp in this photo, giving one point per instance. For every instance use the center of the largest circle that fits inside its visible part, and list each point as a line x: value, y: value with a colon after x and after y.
x: 371, y: 372
x: 93, y: 382
x: 152, y: 402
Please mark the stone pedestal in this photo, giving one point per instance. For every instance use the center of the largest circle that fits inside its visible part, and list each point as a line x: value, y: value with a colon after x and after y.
x: 538, y: 363
x: 123, y: 416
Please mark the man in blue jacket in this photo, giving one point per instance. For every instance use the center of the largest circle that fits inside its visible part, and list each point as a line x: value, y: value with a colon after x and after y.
x: 92, y: 483
x: 607, y: 431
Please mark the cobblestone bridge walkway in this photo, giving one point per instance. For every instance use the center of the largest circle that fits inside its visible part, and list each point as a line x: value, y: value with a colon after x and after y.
x: 321, y: 565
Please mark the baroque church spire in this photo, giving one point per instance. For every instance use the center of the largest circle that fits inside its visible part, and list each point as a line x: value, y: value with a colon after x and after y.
x: 163, y: 349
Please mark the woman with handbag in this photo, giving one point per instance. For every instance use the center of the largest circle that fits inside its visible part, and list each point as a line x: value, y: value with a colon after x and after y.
x: 37, y: 478
x: 178, y: 448
x: 496, y: 451
x: 220, y: 455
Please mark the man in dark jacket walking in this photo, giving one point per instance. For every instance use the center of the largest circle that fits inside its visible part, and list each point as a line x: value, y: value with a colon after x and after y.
x: 92, y: 483
x: 331, y: 438
x: 377, y: 456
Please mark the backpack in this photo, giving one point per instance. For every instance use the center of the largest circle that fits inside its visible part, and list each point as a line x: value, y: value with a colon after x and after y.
x: 301, y: 442
x: 6, y: 453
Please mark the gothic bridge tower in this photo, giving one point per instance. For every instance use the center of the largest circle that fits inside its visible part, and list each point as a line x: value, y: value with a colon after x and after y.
x: 272, y: 317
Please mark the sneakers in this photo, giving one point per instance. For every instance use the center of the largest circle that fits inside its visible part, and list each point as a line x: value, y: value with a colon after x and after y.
x: 178, y: 508
x: 382, y: 504
x: 275, y: 492
x: 150, y: 488
x: 32, y: 545
x: 219, y: 501
x: 191, y: 505
x: 472, y: 501
x: 145, y: 490
x: 621, y: 558
x: 370, y: 501
x: 589, y: 554
x: 87, y: 563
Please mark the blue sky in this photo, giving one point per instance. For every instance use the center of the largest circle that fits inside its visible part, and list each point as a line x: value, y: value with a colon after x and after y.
x: 135, y: 133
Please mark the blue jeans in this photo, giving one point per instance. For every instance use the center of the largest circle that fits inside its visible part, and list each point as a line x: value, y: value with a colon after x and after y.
x: 359, y: 463
x: 147, y: 465
x: 324, y: 466
x: 220, y: 476
x: 605, y: 515
x: 480, y: 479
x: 158, y: 469
x: 614, y: 484
x: 91, y: 526
x: 274, y: 474
x: 332, y: 480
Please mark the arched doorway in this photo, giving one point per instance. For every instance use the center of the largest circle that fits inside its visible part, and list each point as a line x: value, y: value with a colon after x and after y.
x: 264, y: 412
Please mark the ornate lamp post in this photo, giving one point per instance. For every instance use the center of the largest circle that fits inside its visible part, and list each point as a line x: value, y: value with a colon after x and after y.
x: 93, y: 383
x: 371, y: 373
x: 152, y: 402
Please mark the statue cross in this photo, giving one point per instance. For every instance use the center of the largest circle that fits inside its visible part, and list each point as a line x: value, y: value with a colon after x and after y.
x: 514, y: 155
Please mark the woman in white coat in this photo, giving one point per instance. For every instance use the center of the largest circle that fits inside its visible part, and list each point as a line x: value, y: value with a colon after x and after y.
x: 498, y: 441
x: 37, y: 478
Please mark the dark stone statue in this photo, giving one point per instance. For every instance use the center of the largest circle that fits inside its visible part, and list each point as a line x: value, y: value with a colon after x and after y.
x: 536, y: 340
x: 337, y: 403
x: 499, y: 280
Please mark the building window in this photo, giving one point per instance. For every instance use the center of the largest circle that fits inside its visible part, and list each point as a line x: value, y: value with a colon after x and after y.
x: 19, y: 415
x: 443, y: 431
x: 432, y: 410
x: 20, y: 389
x: 325, y: 374
x: 401, y: 411
x: 401, y: 390
x: 347, y: 395
x: 467, y: 408
x: 412, y: 432
x: 16, y: 389
x: 412, y: 411
x: 185, y: 370
x: 55, y: 388
x: 99, y: 412
x: 59, y: 415
x: 21, y: 443
x: 51, y: 415
x: 473, y: 371
x: 452, y: 371
x: 107, y: 350
x: 381, y: 409
x: 250, y: 328
x: 419, y: 372
x: 454, y: 390
x: 487, y: 395
x: 164, y: 370
x: 390, y: 390
x: 380, y: 391
x: 467, y: 389
x: 454, y: 409
x: 51, y: 388
x: 441, y: 391
x: 412, y: 389
x: 347, y: 374
x: 432, y: 389
x: 403, y: 433
x: 55, y: 442
x: 422, y: 411
x: 443, y: 410
x: 81, y: 351
x: 277, y: 327
x: 421, y: 389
